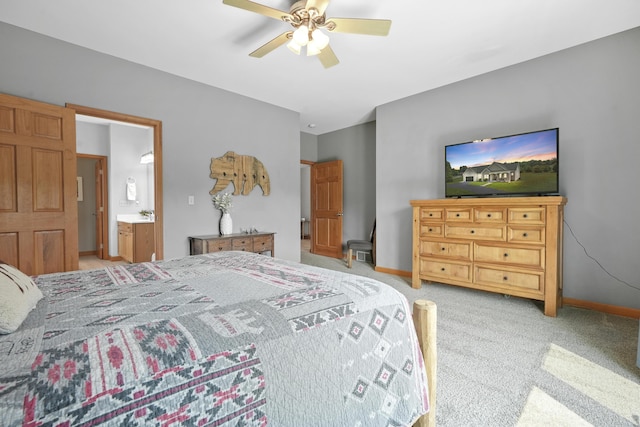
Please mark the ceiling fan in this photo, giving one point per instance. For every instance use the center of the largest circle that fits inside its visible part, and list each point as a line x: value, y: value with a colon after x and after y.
x: 308, y: 20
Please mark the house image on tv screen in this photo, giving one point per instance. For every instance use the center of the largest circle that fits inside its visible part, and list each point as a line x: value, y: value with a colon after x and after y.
x: 495, y: 172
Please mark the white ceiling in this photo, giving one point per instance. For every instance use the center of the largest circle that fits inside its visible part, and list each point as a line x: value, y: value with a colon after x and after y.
x: 431, y: 43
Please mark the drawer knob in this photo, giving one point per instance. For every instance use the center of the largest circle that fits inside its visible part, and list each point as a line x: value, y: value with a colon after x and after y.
x: 524, y: 216
x: 488, y: 215
x: 219, y: 248
x: 473, y: 231
x: 442, y: 269
x: 524, y: 234
x: 430, y: 214
x: 457, y: 215
x: 431, y: 229
x: 444, y: 249
x: 505, y: 278
x: 506, y: 255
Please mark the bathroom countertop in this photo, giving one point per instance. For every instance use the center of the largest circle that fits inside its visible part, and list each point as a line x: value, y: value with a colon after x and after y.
x: 132, y: 218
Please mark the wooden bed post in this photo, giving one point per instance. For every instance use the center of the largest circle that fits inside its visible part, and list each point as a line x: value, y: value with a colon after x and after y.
x: 425, y: 315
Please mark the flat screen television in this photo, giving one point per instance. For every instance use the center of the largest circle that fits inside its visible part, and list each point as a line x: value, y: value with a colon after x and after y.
x: 522, y: 164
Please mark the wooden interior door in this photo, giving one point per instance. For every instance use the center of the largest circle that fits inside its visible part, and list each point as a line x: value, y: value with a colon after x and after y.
x: 38, y: 187
x: 326, y: 208
x: 100, y: 193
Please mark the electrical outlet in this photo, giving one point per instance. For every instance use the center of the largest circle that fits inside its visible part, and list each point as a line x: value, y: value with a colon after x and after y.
x: 192, y: 200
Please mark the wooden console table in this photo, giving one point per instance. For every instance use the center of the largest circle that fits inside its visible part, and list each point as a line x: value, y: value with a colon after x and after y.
x: 253, y: 242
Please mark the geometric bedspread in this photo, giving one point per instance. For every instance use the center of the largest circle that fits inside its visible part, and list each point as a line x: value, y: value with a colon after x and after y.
x: 229, y: 338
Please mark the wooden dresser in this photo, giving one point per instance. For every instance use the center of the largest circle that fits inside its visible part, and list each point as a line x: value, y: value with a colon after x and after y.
x: 254, y: 242
x: 510, y: 245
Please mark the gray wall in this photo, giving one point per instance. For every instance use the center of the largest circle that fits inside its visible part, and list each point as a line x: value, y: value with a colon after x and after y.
x: 199, y: 122
x: 592, y: 93
x: 356, y: 147
x: 308, y: 147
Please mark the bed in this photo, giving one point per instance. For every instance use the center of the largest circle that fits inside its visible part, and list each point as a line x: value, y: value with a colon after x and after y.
x: 229, y: 338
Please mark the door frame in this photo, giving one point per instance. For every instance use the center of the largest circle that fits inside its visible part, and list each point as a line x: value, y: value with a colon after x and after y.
x: 156, y: 125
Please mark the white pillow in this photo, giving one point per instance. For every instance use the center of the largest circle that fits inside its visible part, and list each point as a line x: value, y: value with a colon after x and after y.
x: 18, y: 296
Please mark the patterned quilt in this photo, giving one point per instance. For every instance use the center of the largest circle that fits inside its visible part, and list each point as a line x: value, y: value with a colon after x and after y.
x: 231, y: 338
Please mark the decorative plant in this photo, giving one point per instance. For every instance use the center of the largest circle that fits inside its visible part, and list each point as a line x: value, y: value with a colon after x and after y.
x: 223, y: 201
x: 145, y: 212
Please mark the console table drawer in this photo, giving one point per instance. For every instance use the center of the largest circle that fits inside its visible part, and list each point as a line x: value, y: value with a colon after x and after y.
x: 242, y: 244
x: 262, y: 243
x: 216, y: 245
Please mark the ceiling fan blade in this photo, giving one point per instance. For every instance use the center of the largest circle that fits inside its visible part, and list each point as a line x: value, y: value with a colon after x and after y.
x: 372, y: 27
x: 320, y: 5
x: 258, y: 8
x: 271, y: 45
x: 328, y: 57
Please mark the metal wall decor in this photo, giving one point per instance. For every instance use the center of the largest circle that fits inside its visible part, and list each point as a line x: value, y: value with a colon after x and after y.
x: 244, y: 172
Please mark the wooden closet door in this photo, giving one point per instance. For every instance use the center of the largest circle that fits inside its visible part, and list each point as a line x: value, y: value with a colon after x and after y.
x: 38, y: 197
x: 327, y: 208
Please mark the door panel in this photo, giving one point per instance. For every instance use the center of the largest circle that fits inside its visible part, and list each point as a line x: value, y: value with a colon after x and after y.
x: 38, y: 217
x: 48, y: 181
x: 8, y: 184
x: 49, y: 250
x: 326, y: 208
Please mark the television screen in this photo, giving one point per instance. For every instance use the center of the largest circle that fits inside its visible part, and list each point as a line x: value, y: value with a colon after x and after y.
x: 523, y: 164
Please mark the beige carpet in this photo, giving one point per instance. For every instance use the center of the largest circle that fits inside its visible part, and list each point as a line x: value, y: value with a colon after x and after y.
x: 501, y: 362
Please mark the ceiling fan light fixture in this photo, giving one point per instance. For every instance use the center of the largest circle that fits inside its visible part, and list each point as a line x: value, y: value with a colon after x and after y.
x: 312, y: 48
x: 294, y: 47
x: 301, y: 35
x: 320, y: 39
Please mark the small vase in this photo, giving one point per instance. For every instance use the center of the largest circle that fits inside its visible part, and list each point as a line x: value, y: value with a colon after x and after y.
x: 226, y: 224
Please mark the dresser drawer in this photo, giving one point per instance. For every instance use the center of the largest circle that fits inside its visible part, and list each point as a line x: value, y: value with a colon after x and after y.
x: 490, y: 215
x: 529, y: 257
x: 461, y: 251
x: 459, y: 214
x: 218, y: 245
x: 262, y: 243
x: 524, y: 234
x: 491, y: 276
x: 242, y: 244
x: 532, y: 215
x: 445, y: 270
x: 476, y: 232
x: 429, y: 229
x: 431, y: 214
